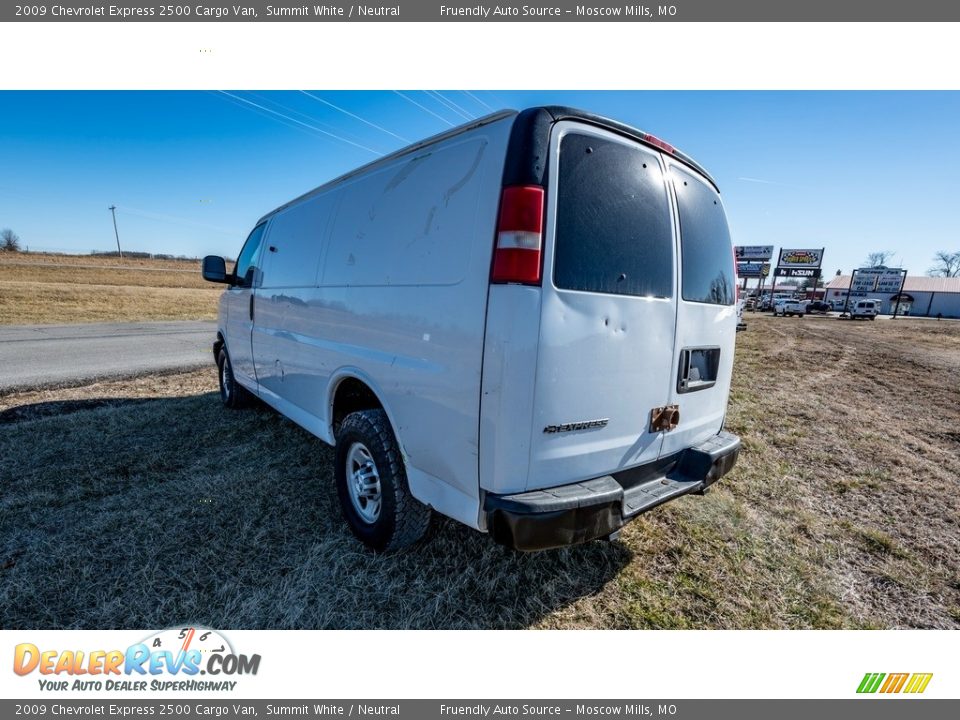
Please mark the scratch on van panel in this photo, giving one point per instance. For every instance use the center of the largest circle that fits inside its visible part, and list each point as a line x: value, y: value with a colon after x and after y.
x: 466, y: 178
x: 404, y: 173
x: 426, y: 228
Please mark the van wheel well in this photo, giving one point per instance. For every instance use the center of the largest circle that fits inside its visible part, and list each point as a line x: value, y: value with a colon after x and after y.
x: 352, y: 395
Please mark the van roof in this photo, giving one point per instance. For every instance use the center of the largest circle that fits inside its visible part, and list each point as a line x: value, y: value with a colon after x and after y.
x: 528, y: 139
x: 530, y: 136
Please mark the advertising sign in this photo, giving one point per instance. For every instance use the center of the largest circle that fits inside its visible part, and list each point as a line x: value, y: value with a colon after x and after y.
x: 753, y: 252
x: 890, y: 281
x: 882, y: 280
x: 800, y: 258
x: 753, y: 269
x: 864, y: 282
x: 805, y: 272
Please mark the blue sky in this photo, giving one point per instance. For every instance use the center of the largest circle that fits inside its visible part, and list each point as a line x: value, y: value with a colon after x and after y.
x: 190, y: 172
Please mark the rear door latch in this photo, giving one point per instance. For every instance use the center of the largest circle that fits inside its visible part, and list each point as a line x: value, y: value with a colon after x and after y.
x: 664, y: 419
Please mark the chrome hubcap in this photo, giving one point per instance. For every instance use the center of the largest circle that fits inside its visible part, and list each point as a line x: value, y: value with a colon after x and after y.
x: 363, y: 483
x: 225, y: 378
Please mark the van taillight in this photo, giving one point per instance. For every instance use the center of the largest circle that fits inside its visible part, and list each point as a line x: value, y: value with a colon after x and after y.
x: 516, y: 257
x: 657, y: 142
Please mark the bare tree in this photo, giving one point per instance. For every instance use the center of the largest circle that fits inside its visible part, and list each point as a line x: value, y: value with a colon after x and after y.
x: 945, y: 264
x: 9, y: 240
x: 878, y: 258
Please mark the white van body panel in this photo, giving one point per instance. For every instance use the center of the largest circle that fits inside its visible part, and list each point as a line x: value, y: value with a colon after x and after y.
x: 383, y: 277
x: 509, y: 381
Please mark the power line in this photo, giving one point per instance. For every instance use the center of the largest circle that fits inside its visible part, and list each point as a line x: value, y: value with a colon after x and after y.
x: 471, y: 95
x: 176, y: 220
x: 298, y: 122
x: 466, y: 113
x: 283, y: 122
x: 446, y: 103
x: 425, y: 109
x: 356, y: 117
x: 269, y: 101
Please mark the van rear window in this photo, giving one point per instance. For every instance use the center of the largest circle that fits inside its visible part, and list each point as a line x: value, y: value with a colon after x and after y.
x: 706, y: 252
x: 613, y: 220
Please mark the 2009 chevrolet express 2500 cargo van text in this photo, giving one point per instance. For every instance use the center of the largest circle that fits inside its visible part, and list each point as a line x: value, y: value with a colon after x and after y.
x: 526, y: 323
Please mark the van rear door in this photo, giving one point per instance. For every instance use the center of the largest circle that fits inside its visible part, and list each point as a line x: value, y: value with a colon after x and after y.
x: 608, y: 337
x: 706, y: 311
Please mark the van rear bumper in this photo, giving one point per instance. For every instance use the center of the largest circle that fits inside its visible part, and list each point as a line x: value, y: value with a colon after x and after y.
x: 592, y: 509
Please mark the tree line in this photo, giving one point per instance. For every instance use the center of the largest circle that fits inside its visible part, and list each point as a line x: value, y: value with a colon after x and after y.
x: 10, y: 242
x: 945, y: 263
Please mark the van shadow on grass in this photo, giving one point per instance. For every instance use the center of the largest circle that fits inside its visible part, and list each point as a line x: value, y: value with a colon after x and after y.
x: 134, y: 513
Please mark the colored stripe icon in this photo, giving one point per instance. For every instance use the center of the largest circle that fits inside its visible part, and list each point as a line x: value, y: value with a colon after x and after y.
x: 894, y: 683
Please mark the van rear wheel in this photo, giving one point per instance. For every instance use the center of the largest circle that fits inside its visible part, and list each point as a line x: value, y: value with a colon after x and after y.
x: 232, y: 393
x: 372, y: 484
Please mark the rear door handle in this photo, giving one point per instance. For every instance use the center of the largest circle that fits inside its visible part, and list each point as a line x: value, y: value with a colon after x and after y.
x: 251, y: 307
x: 698, y: 369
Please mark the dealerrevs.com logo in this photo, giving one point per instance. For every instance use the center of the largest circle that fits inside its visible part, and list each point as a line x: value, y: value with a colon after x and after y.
x: 910, y: 683
x: 169, y: 660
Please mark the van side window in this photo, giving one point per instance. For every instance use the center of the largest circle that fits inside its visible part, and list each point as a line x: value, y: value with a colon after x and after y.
x: 614, y: 231
x: 706, y: 253
x: 249, y: 253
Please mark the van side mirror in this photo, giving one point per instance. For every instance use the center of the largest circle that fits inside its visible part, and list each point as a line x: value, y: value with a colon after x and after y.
x: 215, y: 269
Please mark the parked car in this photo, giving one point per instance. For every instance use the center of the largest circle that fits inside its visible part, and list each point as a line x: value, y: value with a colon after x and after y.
x: 817, y: 306
x: 864, y: 309
x: 491, y: 324
x: 789, y: 308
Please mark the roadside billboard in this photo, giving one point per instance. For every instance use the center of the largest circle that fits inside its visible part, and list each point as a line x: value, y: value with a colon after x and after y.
x: 882, y: 280
x: 798, y: 272
x: 753, y: 269
x: 753, y: 252
x: 797, y: 258
x: 891, y: 281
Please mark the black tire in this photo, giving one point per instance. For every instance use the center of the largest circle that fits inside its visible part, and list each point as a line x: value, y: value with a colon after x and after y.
x: 401, y: 519
x: 232, y: 394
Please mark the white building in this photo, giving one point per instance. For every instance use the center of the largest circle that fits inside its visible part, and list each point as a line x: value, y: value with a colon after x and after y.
x: 923, y: 296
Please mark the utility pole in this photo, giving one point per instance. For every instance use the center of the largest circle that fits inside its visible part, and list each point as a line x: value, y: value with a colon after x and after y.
x: 113, y: 211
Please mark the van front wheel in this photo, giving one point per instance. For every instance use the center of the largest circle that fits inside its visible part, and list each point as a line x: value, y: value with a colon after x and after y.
x: 232, y: 393
x: 372, y: 484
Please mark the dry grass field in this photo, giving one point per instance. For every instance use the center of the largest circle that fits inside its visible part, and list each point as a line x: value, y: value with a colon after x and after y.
x: 45, y: 288
x: 144, y: 503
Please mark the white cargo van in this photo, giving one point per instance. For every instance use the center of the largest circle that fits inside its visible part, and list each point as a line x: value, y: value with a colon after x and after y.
x: 864, y: 309
x: 526, y: 323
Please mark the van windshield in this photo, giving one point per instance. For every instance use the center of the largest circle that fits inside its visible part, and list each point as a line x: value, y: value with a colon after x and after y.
x: 614, y: 230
